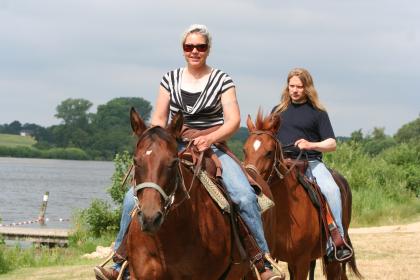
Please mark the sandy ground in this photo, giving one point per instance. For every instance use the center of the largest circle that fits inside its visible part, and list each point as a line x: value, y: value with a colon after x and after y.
x: 388, y: 252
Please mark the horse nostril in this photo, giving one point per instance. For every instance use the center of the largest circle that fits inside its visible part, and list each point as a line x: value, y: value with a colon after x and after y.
x: 140, y: 217
x: 158, y: 219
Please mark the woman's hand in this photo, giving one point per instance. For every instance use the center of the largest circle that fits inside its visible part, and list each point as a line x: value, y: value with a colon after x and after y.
x: 328, y: 145
x: 203, y: 142
x: 303, y: 144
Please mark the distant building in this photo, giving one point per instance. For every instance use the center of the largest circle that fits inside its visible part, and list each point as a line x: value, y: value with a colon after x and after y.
x: 25, y: 133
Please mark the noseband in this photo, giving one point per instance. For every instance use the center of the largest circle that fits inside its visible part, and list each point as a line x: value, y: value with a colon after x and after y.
x: 167, y: 198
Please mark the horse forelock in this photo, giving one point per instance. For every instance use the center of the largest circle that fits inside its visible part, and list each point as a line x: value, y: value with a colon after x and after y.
x: 263, y: 123
x: 155, y: 134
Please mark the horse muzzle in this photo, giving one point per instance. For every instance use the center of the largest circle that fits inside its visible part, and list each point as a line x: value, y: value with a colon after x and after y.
x: 150, y: 223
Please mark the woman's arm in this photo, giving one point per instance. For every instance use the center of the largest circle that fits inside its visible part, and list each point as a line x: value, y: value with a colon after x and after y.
x: 160, y: 115
x: 231, y: 123
x: 327, y: 145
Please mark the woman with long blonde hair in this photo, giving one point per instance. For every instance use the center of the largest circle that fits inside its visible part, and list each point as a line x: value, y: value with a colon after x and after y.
x: 306, y: 127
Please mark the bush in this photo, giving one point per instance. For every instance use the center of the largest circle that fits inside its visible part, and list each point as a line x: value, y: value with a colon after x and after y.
x: 380, y: 189
x: 100, y: 218
x: 122, y: 162
x: 31, y: 152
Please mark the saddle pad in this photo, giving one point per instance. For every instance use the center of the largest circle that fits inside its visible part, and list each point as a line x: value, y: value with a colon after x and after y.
x: 264, y: 202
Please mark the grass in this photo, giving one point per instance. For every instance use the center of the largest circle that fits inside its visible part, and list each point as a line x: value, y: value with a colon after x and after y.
x: 81, y: 270
x: 18, y: 258
x: 12, y: 140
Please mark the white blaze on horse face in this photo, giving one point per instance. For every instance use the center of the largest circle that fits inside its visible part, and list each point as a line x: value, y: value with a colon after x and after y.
x: 257, y: 145
x: 148, y: 152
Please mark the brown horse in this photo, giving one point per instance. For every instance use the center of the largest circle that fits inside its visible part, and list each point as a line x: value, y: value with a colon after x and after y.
x: 178, y: 231
x: 300, y: 238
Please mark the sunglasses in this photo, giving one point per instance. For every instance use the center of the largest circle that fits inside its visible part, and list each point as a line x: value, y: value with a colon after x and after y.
x: 190, y: 47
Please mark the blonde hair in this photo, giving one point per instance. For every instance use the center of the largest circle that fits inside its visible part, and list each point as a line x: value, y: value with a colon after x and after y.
x: 197, y: 28
x: 309, y: 88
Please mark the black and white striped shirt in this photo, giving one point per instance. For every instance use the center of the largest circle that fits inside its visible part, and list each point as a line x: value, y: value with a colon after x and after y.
x: 207, y: 110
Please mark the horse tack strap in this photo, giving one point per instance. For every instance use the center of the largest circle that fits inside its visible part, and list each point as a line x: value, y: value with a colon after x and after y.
x: 151, y: 185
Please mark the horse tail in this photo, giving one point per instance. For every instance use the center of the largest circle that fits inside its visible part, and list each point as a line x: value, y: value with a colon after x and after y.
x: 312, y: 270
x: 352, y: 263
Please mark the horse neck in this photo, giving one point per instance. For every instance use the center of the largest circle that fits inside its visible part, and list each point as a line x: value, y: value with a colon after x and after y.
x: 287, y: 190
x: 186, y: 199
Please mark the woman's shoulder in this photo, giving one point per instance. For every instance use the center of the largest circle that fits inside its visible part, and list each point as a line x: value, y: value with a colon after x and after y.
x: 174, y: 71
x: 219, y: 72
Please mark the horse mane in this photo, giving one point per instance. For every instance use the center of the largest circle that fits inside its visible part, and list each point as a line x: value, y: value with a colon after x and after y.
x: 263, y: 123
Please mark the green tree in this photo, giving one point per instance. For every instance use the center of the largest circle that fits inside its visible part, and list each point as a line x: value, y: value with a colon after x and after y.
x: 115, y: 113
x: 378, y: 133
x: 111, y: 125
x: 356, y: 136
x: 15, y: 127
x: 74, y: 112
x: 378, y: 141
x: 409, y: 132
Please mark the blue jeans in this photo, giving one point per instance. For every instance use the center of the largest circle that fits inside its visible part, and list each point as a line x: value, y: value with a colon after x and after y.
x: 128, y: 206
x: 240, y: 191
x: 243, y: 195
x: 330, y: 190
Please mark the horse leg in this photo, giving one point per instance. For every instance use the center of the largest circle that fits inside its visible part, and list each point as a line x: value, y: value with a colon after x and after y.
x: 151, y: 269
x: 291, y: 272
x: 334, y: 271
x: 300, y: 269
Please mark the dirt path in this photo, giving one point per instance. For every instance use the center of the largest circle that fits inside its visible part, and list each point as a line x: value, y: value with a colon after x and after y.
x: 389, y: 252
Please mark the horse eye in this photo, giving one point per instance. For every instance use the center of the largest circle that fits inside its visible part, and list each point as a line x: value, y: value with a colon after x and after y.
x: 269, y: 154
x: 173, y: 162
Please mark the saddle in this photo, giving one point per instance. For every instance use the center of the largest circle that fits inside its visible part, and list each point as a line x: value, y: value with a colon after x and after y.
x: 207, y: 167
x: 318, y: 200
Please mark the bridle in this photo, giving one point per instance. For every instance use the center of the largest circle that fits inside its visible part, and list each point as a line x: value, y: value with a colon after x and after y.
x: 278, y: 156
x: 168, y: 199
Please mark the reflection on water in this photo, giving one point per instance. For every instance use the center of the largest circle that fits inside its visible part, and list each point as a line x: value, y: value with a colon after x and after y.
x: 72, y: 185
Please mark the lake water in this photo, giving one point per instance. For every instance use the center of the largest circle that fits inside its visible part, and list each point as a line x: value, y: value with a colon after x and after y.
x: 71, y: 184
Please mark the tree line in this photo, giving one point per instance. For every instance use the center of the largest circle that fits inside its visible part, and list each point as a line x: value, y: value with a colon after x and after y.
x: 98, y: 135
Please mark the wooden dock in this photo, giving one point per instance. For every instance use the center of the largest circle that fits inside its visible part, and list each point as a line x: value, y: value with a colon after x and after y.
x: 42, y: 236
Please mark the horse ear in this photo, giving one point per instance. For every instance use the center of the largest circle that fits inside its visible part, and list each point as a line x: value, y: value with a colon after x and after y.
x: 275, y: 122
x: 137, y: 124
x: 250, y: 124
x: 175, y: 126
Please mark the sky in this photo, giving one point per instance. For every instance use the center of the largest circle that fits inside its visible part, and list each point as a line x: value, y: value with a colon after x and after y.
x: 364, y: 55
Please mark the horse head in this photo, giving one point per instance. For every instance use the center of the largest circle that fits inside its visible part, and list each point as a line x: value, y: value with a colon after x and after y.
x: 262, y: 150
x: 156, y: 170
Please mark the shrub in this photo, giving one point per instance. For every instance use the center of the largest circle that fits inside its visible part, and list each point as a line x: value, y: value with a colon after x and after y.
x: 100, y: 218
x: 380, y: 189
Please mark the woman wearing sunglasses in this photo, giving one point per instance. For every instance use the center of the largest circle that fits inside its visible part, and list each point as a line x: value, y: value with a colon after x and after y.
x: 207, y: 98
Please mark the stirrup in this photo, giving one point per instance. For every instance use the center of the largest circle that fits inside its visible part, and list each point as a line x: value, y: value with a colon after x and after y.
x: 345, y: 246
x: 122, y: 270
x: 275, y: 265
x: 123, y: 267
